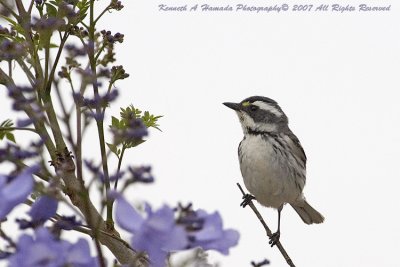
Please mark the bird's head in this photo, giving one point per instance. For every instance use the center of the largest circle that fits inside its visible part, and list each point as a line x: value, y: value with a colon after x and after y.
x: 258, y: 114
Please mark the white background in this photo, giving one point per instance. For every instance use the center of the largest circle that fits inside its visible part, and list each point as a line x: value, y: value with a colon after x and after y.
x: 336, y: 77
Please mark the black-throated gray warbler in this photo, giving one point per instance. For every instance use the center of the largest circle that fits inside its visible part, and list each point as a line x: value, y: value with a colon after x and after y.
x: 272, y: 160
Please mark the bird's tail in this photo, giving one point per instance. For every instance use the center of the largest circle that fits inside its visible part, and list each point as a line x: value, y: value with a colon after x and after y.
x: 307, y: 213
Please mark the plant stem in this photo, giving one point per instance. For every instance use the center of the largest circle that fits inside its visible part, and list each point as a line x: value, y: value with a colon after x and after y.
x: 9, y: 69
x: 119, y: 166
x: 19, y: 129
x: 39, y: 125
x: 101, y: 14
x: 99, y: 121
x: 9, y: 9
x: 27, y: 71
x: 30, y: 7
x: 46, y: 62
x: 53, y: 69
x: 78, y: 146
x: 99, y: 52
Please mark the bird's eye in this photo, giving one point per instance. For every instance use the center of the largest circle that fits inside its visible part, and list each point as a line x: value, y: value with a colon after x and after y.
x: 253, y: 108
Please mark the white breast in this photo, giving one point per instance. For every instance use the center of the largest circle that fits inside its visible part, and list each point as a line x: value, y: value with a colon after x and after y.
x: 267, y: 173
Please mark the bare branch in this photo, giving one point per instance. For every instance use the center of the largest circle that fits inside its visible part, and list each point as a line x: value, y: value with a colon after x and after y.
x: 269, y: 233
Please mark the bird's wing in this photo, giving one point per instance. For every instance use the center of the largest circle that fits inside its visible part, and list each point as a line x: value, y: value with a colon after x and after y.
x: 295, y: 145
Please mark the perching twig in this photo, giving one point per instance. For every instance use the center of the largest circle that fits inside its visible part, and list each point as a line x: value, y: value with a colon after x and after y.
x: 260, y: 264
x: 269, y: 233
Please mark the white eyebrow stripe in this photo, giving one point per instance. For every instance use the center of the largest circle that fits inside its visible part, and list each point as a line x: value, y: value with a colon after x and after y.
x: 268, y: 107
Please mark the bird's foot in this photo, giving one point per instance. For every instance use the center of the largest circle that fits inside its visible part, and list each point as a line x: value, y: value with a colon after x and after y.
x: 246, y: 200
x: 274, y: 238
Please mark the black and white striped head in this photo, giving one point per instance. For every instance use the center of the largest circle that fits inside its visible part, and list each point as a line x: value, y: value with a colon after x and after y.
x: 260, y: 114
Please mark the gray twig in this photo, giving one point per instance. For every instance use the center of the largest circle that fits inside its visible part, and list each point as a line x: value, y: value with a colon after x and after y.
x: 269, y: 233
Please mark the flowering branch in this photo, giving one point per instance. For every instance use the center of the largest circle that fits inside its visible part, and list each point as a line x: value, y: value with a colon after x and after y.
x: 27, y: 43
x: 269, y: 233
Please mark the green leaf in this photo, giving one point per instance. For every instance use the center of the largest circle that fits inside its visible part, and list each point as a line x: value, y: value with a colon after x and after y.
x: 51, y: 10
x: 114, y: 149
x: 83, y: 7
x: 128, y: 113
x: 7, y: 123
x: 10, y: 136
x: 9, y: 20
x: 83, y: 4
x: 15, y: 25
x: 114, y: 122
x: 7, y: 133
x: 134, y: 144
x: 150, y: 120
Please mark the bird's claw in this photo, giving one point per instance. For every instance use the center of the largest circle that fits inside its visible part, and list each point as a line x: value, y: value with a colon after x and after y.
x: 246, y: 200
x: 274, y: 238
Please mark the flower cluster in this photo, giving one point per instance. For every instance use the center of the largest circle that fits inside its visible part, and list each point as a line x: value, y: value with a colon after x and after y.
x: 74, y: 51
x: 43, y: 249
x: 43, y: 209
x: 98, y: 173
x: 38, y: 39
x: 15, y: 190
x: 108, y: 37
x: 159, y: 232
x: 205, y: 230
x: 141, y: 174
x: 48, y: 25
x: 133, y: 131
x: 100, y: 100
x: 10, y: 50
x: 6, y: 32
x: 79, y: 31
x: 118, y: 73
x: 24, y: 99
x: 116, y: 5
x: 14, y: 153
x: 93, y: 104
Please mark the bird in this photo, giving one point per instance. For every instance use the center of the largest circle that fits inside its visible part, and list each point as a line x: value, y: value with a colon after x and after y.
x: 272, y: 160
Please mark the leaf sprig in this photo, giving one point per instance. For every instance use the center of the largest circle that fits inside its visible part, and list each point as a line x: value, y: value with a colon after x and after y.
x: 126, y: 115
x: 6, y: 133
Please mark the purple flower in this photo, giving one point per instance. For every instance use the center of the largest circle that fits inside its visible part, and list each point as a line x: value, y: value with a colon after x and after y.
x: 78, y: 255
x: 118, y: 73
x: 14, y: 153
x: 115, y: 4
x: 11, y: 50
x: 14, y: 191
x: 93, y: 168
x: 44, y: 250
x: 141, y: 174
x: 48, y: 25
x: 87, y: 75
x: 212, y: 235
x: 67, y: 223
x: 116, y: 176
x: 75, y: 51
x: 44, y: 208
x: 133, y: 132
x: 101, y: 101
x: 157, y: 234
x: 4, y: 255
x: 107, y: 35
x: 24, y: 122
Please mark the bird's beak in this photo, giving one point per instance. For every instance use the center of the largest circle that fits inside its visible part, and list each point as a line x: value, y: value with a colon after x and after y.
x: 234, y: 106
